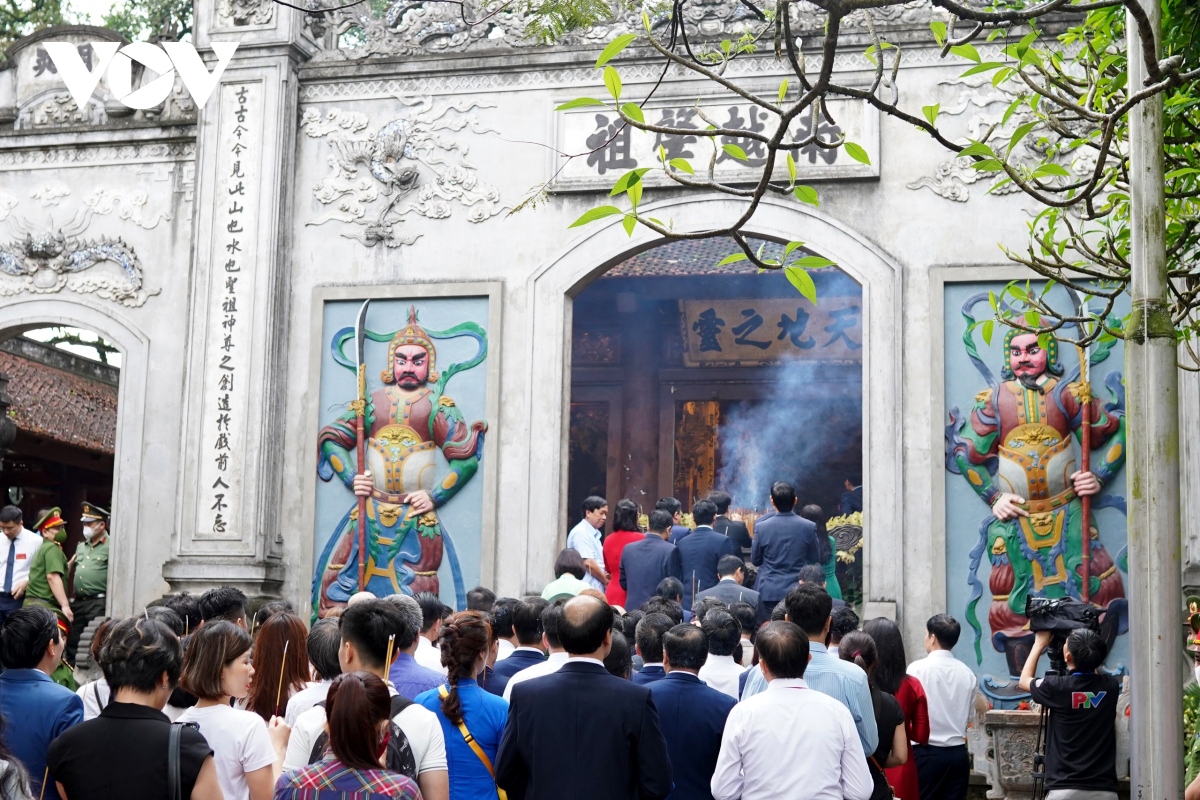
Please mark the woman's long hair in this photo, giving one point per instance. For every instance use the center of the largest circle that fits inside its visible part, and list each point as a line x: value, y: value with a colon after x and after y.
x: 816, y: 515
x: 890, y: 664
x: 356, y: 705
x: 12, y: 770
x: 279, y: 630
x: 464, y: 637
x: 858, y: 648
x: 625, y: 518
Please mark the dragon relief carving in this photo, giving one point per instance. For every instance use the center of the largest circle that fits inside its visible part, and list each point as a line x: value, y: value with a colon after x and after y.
x: 412, y: 27
x: 983, y: 108
x: 248, y: 12
x: 407, y: 167
x: 46, y: 258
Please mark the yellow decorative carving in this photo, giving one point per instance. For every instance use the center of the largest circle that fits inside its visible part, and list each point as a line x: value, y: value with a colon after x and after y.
x: 1114, y: 453
x: 1081, y: 391
x: 999, y: 598
x: 429, y: 519
x: 354, y: 513
x: 974, y: 478
x: 359, y: 407
x: 336, y: 463
x: 998, y: 547
x: 1108, y: 573
x: 388, y: 513
x: 984, y: 397
x: 445, y: 402
x: 449, y: 481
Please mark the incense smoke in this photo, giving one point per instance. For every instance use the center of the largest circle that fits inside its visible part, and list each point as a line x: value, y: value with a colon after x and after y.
x: 808, y: 432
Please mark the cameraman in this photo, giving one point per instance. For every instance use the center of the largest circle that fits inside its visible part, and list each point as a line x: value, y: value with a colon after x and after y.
x: 1081, y: 736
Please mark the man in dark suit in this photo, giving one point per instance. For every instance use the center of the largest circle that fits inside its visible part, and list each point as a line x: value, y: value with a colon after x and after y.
x: 701, y: 551
x: 783, y: 543
x: 582, y: 733
x: 692, y: 714
x: 527, y: 624
x: 736, y: 530
x: 675, y: 509
x: 648, y: 639
x: 729, y: 589
x: 815, y: 575
x: 644, y: 564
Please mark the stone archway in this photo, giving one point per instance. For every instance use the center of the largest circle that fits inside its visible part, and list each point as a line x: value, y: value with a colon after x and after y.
x: 25, y: 313
x: 552, y: 288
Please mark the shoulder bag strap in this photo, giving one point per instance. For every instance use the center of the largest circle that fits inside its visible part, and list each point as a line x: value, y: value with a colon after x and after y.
x: 474, y: 745
x: 174, y: 783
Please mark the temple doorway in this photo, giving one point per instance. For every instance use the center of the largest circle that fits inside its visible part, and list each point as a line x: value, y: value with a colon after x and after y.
x: 687, y: 377
x: 59, y: 388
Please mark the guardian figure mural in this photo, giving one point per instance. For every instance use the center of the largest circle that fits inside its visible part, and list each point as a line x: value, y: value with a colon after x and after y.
x: 1019, y: 451
x: 405, y: 423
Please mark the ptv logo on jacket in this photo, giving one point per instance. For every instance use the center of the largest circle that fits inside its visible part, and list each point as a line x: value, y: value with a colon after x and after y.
x: 165, y: 60
x: 1087, y: 699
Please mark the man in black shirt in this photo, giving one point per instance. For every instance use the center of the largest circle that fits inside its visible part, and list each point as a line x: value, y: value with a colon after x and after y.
x: 1081, y: 738
x: 123, y: 752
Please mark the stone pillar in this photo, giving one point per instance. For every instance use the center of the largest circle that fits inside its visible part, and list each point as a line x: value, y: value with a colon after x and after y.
x: 230, y: 518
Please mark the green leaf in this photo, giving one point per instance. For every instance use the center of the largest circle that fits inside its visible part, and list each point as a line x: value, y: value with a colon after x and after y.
x: 683, y: 165
x: 939, y: 32
x: 966, y: 51
x: 976, y: 149
x: 579, y: 102
x: 988, y: 326
x: 791, y: 165
x: 993, y: 301
x: 634, y: 193
x: 986, y: 66
x: 1051, y: 170
x: 646, y: 21
x: 614, y: 47
x: 634, y: 112
x: 1012, y: 108
x: 931, y: 112
x: 595, y: 214
x: 1032, y: 319
x: 628, y: 179
x: 733, y: 259
x: 612, y: 80
x: 1001, y: 76
x: 988, y: 165
x: 857, y: 153
x: 1019, y: 134
x: 629, y: 223
x: 803, y: 283
x: 1179, y: 173
x: 734, y: 151
x: 814, y: 262
x: 791, y: 247
x: 806, y: 194
x: 783, y: 87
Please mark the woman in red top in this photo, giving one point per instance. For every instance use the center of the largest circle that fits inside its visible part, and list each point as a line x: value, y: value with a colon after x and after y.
x: 891, y: 675
x: 625, y: 530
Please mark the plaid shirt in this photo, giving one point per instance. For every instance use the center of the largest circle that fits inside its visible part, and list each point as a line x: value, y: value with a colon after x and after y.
x: 330, y: 779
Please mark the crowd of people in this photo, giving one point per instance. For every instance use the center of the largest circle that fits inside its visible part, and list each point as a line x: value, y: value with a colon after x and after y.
x: 648, y: 668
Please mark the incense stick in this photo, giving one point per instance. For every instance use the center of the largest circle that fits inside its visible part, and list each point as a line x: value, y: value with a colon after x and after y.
x: 391, y: 642
x: 45, y: 777
x: 186, y: 625
x: 282, y: 664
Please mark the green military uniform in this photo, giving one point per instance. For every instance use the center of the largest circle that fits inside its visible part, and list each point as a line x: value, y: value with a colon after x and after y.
x: 48, y: 560
x: 91, y: 577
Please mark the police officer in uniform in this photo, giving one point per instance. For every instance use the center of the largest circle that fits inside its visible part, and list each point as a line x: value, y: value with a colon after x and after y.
x: 91, y: 574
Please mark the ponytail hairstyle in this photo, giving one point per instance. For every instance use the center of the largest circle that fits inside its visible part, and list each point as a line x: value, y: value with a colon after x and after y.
x: 357, y: 704
x: 464, y: 637
x: 859, y: 648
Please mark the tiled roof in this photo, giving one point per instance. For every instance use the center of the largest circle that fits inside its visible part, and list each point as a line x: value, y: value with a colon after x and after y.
x: 60, y: 405
x: 689, y: 257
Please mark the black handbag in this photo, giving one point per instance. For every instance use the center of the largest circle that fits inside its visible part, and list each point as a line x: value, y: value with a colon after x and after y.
x: 174, y: 776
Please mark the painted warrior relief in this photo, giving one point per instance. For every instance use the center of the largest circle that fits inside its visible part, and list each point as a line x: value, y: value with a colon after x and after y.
x: 422, y: 448
x: 1018, y: 448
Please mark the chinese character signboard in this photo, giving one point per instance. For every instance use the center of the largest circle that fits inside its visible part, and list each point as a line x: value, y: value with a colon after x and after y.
x: 612, y: 148
x: 722, y: 333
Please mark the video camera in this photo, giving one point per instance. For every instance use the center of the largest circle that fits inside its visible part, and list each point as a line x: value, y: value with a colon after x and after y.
x: 1060, y: 616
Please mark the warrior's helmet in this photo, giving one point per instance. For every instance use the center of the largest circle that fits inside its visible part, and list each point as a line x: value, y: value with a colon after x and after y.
x: 412, y: 333
x: 1050, y: 343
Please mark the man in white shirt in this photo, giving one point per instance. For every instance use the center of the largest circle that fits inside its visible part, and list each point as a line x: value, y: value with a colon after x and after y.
x: 825, y: 758
x: 943, y: 766
x: 365, y: 629
x: 324, y: 641
x: 432, y: 610
x: 585, y: 539
x: 18, y: 545
x: 724, y: 633
x: 551, y: 617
